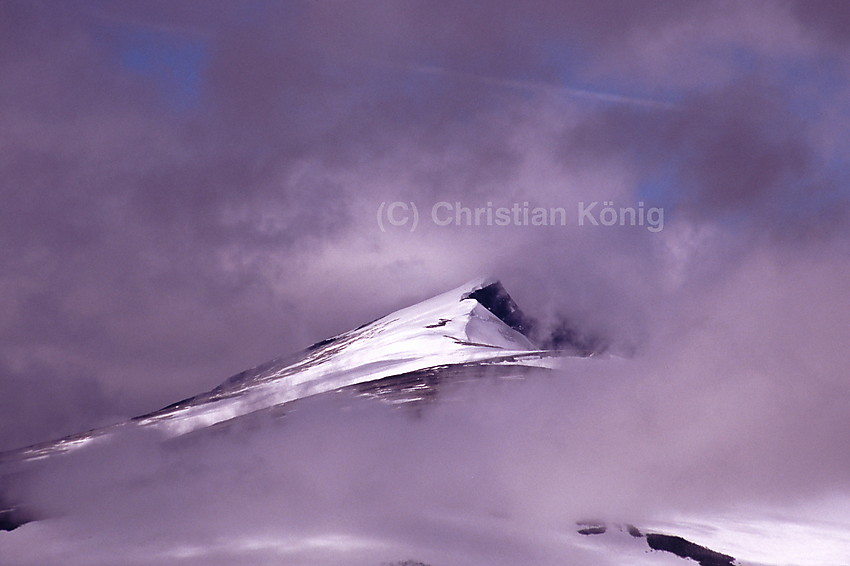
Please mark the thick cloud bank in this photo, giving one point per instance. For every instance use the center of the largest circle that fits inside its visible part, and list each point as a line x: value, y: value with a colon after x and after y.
x: 190, y: 189
x: 714, y: 418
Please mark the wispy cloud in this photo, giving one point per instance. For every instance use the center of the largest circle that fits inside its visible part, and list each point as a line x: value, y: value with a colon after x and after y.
x: 543, y: 88
x: 152, y: 249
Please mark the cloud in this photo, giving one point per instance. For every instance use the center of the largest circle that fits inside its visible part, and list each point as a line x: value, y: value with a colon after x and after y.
x: 152, y: 248
x: 828, y: 17
x: 534, y: 86
x: 736, y: 406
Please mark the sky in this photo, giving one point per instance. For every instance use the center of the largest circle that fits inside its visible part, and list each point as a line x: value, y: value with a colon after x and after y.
x: 190, y: 189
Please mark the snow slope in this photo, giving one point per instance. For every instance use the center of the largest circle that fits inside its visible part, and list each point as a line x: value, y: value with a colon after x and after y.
x: 347, y: 481
x: 451, y: 329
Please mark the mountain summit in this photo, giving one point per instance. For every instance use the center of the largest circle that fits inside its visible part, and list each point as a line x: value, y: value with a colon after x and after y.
x: 474, y: 329
x: 351, y: 476
x: 470, y: 332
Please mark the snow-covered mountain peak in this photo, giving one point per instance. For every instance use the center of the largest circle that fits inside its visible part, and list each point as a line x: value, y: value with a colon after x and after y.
x: 477, y: 314
x: 456, y: 327
x: 470, y: 328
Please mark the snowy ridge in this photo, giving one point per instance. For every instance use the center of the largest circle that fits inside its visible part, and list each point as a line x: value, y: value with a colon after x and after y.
x: 451, y: 329
x: 447, y: 329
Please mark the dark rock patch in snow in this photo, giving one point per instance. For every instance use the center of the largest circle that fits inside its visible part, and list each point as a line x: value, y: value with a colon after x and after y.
x: 592, y: 527
x: 634, y: 531
x: 439, y: 323
x: 495, y: 299
x: 686, y: 549
x: 12, y: 517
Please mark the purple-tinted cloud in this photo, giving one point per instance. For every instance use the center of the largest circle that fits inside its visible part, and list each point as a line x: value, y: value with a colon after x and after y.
x: 190, y: 189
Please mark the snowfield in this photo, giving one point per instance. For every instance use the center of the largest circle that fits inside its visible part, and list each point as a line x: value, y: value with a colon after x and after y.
x: 436, y: 435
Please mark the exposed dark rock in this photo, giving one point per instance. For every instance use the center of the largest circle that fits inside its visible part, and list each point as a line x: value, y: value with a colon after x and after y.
x: 686, y: 549
x: 439, y: 323
x: 423, y: 385
x: 565, y: 335
x: 593, y: 530
x: 592, y: 527
x: 495, y: 299
x: 322, y: 343
x: 12, y: 517
x: 634, y: 531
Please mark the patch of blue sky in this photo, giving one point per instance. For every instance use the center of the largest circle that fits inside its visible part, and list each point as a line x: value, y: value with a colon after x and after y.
x: 815, y: 88
x: 810, y: 83
x: 741, y: 57
x: 809, y: 87
x: 663, y: 188
x: 813, y: 84
x: 173, y: 62
x: 826, y: 189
